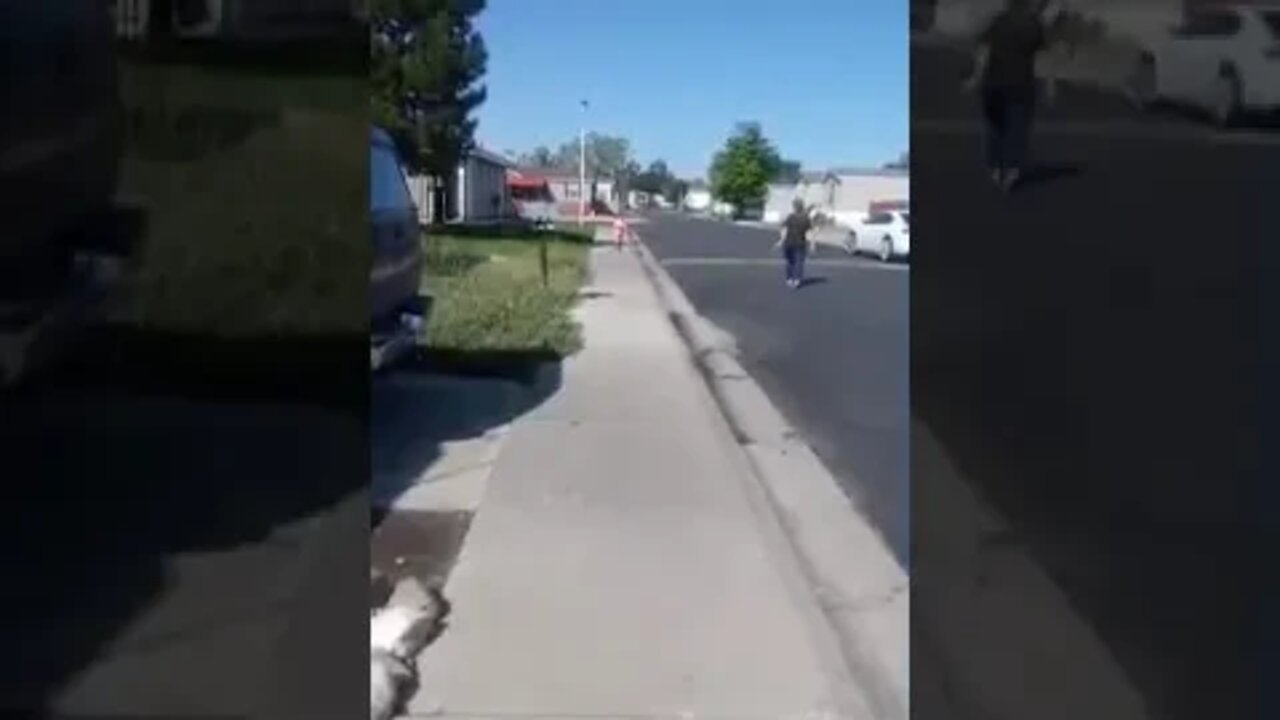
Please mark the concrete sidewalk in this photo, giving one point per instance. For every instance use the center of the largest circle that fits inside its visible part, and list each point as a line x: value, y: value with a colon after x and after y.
x: 621, y: 564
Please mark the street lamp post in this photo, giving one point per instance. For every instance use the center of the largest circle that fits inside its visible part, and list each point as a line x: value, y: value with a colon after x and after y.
x: 582, y: 166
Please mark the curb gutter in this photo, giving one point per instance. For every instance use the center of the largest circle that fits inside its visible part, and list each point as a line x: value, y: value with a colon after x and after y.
x: 863, y: 594
x: 859, y: 590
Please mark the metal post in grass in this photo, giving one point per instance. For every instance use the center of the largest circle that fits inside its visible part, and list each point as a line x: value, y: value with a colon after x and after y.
x: 582, y: 165
x: 542, y: 259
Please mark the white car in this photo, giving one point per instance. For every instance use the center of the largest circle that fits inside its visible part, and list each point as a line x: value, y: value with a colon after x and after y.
x: 1224, y: 59
x: 885, y: 234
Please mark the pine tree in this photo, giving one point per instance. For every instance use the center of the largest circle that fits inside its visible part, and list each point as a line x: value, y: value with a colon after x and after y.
x: 426, y: 69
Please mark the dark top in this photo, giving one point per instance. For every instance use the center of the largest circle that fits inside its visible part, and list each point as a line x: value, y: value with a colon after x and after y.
x: 796, y: 230
x: 1013, y: 39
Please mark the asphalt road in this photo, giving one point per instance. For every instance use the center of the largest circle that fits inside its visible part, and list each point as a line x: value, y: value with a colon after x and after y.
x: 833, y: 356
x: 1089, y: 351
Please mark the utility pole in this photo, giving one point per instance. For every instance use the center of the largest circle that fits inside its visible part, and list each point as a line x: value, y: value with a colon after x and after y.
x: 582, y: 166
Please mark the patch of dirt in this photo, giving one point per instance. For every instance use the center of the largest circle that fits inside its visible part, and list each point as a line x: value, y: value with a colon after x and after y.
x: 417, y: 544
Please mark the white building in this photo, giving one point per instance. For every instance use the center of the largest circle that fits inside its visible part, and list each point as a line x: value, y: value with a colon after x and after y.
x: 479, y: 193
x: 566, y: 188
x: 842, y: 194
x: 698, y: 197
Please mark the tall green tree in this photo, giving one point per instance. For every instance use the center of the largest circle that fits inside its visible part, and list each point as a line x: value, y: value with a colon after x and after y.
x: 606, y: 155
x: 540, y: 157
x: 675, y: 191
x: 788, y: 171
x: 427, y: 63
x: 654, y: 179
x: 741, y: 171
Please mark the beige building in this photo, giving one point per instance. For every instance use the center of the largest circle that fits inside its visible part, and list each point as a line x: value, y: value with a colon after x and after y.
x: 479, y: 193
x: 566, y: 189
x: 842, y: 194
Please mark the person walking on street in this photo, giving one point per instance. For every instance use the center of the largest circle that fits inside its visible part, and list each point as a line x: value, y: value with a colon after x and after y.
x: 795, y: 243
x: 1004, y: 75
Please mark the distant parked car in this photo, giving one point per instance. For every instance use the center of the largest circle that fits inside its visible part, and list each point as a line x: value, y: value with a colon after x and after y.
x: 399, y: 305
x: 885, y: 234
x: 1224, y: 59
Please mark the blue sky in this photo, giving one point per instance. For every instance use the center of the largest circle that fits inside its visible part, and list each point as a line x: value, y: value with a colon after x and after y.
x: 827, y: 79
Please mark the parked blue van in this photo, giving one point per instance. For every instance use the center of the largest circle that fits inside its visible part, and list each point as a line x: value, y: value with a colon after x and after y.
x: 397, y: 299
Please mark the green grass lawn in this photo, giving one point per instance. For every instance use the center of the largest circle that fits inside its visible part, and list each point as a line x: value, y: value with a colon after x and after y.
x: 255, y: 186
x: 490, y: 294
x: 256, y: 197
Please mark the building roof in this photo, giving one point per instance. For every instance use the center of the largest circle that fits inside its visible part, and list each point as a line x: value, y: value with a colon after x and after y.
x: 489, y: 156
x: 869, y: 172
x: 820, y: 176
x: 525, y: 181
x: 559, y: 175
x: 547, y: 173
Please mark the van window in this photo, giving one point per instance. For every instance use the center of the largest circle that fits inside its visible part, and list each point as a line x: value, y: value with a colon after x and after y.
x: 387, y: 187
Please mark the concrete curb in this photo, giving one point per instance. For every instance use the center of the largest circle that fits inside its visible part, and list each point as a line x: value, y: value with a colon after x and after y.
x: 859, y: 592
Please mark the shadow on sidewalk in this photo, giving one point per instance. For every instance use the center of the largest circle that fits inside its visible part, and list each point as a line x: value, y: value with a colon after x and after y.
x: 150, y: 449
x: 434, y: 422
x: 163, y: 484
x: 443, y: 397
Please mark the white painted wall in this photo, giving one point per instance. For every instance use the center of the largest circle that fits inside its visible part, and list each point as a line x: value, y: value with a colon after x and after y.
x: 420, y: 189
x: 698, y: 200
x: 852, y: 196
x: 476, y: 181
x: 480, y: 181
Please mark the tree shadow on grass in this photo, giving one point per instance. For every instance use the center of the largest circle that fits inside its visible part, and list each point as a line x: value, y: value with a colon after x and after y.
x: 341, y: 48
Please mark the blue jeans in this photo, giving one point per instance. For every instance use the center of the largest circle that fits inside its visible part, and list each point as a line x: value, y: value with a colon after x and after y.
x: 795, y: 262
x: 1007, y: 120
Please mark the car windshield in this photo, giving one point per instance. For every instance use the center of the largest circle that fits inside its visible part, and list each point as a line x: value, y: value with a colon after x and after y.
x: 1272, y: 19
x: 387, y: 188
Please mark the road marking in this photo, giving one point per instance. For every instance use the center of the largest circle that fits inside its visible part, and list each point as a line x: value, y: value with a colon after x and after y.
x: 1118, y: 130
x: 768, y: 262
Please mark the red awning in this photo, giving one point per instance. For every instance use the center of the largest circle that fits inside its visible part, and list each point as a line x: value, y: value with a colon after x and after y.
x: 526, y: 181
